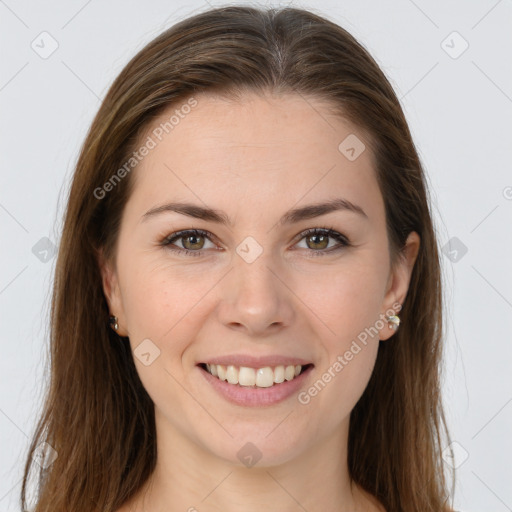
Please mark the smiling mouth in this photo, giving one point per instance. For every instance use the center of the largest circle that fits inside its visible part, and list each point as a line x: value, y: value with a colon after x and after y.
x: 245, y: 376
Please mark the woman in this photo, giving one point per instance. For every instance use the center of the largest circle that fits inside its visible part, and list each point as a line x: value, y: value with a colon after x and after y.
x: 247, y: 309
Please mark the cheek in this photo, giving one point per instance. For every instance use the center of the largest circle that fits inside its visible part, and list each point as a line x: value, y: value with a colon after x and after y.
x: 346, y: 298
x: 162, y: 305
x: 159, y: 297
x: 346, y: 370
x: 354, y: 371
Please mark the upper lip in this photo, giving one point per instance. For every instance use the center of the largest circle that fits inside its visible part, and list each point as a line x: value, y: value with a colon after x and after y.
x: 257, y: 362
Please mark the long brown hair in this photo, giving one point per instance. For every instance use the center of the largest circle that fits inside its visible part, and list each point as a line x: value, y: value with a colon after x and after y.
x: 97, y: 415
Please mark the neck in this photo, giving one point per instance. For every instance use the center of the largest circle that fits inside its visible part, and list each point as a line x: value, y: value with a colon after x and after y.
x: 189, y: 478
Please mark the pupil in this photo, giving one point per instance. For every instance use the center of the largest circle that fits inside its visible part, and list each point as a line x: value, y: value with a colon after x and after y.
x: 317, y: 237
x: 193, y: 237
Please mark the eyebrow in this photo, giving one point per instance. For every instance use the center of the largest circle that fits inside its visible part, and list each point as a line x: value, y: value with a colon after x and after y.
x: 290, y: 217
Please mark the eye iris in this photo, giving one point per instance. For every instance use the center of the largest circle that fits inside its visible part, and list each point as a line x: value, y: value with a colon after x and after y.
x: 316, y: 236
x: 193, y: 243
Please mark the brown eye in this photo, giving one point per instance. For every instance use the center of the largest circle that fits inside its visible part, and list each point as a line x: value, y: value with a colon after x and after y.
x: 193, y: 241
x: 318, y: 241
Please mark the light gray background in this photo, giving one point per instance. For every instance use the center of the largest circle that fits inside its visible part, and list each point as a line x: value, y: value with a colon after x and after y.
x: 459, y: 110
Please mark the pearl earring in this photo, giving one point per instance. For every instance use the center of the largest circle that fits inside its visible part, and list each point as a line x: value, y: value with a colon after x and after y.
x: 393, y: 322
x: 113, y: 322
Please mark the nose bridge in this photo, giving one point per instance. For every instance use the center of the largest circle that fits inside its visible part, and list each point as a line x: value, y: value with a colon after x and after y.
x: 257, y: 277
x: 254, y: 279
x: 255, y: 297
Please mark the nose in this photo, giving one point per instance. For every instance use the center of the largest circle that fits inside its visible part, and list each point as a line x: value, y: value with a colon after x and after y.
x: 256, y: 299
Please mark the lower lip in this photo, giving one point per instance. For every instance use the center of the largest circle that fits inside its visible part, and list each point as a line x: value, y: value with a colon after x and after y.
x: 251, y: 397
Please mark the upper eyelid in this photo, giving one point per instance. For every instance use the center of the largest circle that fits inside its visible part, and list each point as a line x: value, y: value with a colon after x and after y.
x: 330, y: 232
x: 182, y: 233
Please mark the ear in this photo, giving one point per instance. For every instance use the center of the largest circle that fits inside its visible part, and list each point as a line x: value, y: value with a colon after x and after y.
x: 398, y: 283
x: 110, y: 283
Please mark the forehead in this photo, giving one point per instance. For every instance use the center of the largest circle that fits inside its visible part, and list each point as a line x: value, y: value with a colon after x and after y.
x: 256, y: 151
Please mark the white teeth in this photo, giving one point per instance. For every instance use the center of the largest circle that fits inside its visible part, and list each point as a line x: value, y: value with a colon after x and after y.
x: 260, y: 377
x: 232, y: 374
x: 265, y: 377
x: 279, y: 374
x: 289, y: 372
x: 247, y: 376
x: 221, y: 371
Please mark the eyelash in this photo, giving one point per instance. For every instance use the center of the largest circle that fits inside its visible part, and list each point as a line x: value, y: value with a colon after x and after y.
x: 344, y: 242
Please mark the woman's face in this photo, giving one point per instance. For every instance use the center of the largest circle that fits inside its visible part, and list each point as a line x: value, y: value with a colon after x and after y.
x: 257, y: 292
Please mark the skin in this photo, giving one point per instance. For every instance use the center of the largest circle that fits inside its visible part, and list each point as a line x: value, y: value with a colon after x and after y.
x: 254, y: 159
